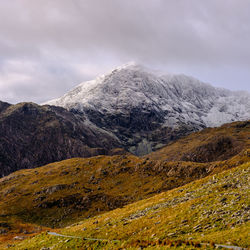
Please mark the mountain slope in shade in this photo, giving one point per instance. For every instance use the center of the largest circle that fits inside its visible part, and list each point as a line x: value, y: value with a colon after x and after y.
x: 146, y: 111
x: 33, y: 135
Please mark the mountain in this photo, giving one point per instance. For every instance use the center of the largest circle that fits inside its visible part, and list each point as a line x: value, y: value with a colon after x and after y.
x: 129, y: 108
x: 33, y: 135
x: 146, y: 111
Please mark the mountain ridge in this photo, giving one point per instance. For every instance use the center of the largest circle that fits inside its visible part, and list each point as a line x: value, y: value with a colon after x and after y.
x: 33, y: 135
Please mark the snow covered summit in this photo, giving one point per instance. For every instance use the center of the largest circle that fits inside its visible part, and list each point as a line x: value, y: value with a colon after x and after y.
x: 133, y: 100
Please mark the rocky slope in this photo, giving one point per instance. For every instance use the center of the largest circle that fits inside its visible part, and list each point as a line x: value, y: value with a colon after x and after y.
x: 146, y: 111
x: 63, y: 193
x: 33, y: 135
x: 201, y: 214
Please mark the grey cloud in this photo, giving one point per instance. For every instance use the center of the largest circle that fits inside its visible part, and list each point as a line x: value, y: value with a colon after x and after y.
x: 206, y: 39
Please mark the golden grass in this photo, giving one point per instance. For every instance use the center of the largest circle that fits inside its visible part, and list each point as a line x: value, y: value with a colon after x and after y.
x: 190, y: 214
x: 77, y: 190
x: 238, y: 132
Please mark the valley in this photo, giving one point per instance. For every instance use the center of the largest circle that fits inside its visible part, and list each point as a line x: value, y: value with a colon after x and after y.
x: 79, y: 190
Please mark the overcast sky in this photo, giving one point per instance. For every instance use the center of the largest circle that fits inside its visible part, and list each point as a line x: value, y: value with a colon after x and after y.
x: 49, y: 46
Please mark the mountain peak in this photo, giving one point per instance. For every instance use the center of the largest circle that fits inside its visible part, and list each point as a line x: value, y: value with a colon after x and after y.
x: 132, y: 98
x: 132, y: 66
x: 129, y: 65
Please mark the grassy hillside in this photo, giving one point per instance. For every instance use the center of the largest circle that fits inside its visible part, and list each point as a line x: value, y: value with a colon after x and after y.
x: 63, y: 192
x: 211, y: 210
x: 74, y: 190
x: 210, y: 144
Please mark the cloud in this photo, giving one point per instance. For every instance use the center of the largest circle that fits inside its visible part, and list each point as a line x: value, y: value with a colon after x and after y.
x: 47, y: 47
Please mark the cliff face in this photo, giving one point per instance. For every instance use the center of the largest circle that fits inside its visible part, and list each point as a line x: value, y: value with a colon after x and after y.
x: 33, y: 135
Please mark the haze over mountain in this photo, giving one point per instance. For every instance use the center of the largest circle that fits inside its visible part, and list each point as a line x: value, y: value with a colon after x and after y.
x: 145, y: 110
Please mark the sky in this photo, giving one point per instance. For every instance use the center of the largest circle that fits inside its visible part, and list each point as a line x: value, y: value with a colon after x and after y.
x: 48, y: 47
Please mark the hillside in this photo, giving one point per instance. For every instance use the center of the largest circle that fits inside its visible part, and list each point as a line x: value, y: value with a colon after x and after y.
x: 210, y: 144
x: 65, y: 192
x: 147, y: 111
x: 211, y: 210
x: 33, y: 135
x: 62, y: 192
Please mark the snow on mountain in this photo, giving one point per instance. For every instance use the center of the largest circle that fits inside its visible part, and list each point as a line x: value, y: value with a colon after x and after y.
x: 181, y: 97
x: 132, y: 97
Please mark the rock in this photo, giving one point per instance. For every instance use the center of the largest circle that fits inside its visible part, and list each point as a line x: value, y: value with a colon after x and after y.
x: 53, y: 189
x: 197, y: 227
x: 10, y: 245
x: 223, y: 199
x: 3, y: 230
x: 19, y: 237
x: 171, y: 234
